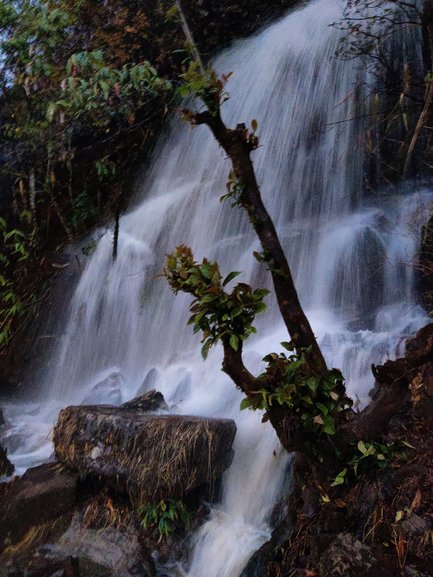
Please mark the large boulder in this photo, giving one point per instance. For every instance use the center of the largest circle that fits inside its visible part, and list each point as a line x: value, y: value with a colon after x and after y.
x: 147, y: 456
x: 41, y: 495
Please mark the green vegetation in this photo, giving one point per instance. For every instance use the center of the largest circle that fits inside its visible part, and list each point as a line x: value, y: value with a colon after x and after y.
x: 76, y: 107
x: 14, y: 254
x: 55, y: 97
x: 164, y: 517
x: 317, y: 400
x: 218, y: 314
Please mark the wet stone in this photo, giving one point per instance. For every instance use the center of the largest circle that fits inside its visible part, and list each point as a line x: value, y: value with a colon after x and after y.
x: 41, y: 495
x: 149, y: 402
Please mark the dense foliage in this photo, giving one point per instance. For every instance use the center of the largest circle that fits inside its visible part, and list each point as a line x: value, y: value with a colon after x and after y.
x: 76, y: 106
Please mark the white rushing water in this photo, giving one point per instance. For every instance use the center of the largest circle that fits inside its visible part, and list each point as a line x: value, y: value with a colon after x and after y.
x: 125, y: 332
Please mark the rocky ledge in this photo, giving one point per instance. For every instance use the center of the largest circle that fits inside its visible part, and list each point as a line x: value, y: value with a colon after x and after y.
x: 82, y: 516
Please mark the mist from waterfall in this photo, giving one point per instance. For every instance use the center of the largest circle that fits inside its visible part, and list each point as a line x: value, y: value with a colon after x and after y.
x: 351, y: 255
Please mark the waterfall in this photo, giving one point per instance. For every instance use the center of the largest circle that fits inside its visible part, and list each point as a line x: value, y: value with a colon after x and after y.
x: 351, y: 255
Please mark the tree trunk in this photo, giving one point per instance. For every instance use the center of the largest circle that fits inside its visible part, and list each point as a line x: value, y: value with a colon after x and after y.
x: 238, y: 148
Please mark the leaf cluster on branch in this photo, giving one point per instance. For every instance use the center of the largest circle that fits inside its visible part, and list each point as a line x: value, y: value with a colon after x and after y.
x: 220, y: 315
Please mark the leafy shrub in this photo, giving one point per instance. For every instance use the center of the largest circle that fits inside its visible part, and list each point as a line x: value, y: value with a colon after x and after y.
x: 164, y: 517
x: 316, y: 400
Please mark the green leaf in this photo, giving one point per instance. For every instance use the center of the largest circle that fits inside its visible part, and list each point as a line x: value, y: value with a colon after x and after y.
x: 234, y: 342
x: 322, y: 408
x: 206, y: 270
x: 245, y: 404
x: 288, y: 346
x: 205, y: 348
x: 230, y: 277
x: 312, y: 383
x: 259, y: 256
x: 236, y: 312
x: 339, y: 479
x: 362, y: 448
x: 329, y: 426
x: 408, y: 445
x: 208, y: 299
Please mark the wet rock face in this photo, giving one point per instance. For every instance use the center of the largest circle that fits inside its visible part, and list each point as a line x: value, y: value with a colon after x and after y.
x: 145, y: 456
x: 149, y: 382
x: 96, y: 539
x: 419, y: 349
x: 41, y: 495
x: 41, y: 566
x: 115, y: 548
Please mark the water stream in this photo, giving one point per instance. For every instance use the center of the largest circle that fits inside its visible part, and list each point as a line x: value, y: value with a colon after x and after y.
x: 125, y: 332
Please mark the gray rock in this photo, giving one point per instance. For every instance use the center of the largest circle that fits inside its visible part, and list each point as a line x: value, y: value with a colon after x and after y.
x: 182, y: 390
x: 149, y: 402
x: 412, y: 571
x: 346, y: 557
x: 40, y: 565
x: 14, y: 441
x: 113, y: 548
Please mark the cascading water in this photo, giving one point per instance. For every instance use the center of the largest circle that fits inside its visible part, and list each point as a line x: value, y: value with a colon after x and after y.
x: 126, y: 332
